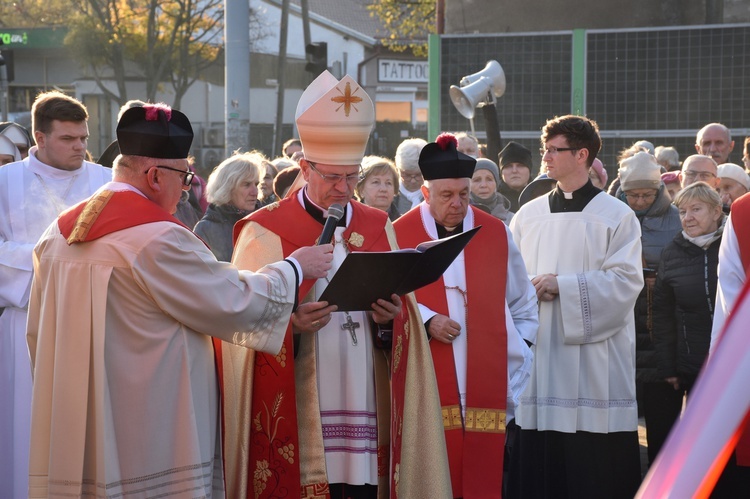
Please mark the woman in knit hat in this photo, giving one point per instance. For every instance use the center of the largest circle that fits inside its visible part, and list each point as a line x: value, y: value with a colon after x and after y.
x: 733, y: 182
x: 484, y: 193
x: 641, y: 188
x: 671, y: 181
x: 598, y: 174
x: 515, y: 172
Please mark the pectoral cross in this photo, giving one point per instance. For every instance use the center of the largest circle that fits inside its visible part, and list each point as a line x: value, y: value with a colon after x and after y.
x: 351, y: 326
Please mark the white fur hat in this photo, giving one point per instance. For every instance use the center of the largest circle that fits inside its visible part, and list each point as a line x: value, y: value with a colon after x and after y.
x: 16, y: 133
x: 735, y: 172
x: 8, y: 147
x: 334, y: 119
x: 640, y: 171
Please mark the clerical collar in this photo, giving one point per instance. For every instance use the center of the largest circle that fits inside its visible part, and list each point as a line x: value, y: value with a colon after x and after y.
x: 442, y: 232
x: 560, y: 201
x: 317, y: 212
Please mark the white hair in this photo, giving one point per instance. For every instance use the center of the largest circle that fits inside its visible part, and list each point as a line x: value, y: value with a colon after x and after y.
x: 407, y: 154
x: 227, y: 176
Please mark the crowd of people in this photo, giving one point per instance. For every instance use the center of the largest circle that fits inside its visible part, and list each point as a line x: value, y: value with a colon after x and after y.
x: 163, y: 335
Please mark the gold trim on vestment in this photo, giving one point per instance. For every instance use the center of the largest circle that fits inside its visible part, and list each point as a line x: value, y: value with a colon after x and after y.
x: 452, y: 417
x: 88, y: 216
x: 312, y: 461
x: 414, y: 476
x: 356, y: 240
x: 314, y: 491
x: 485, y: 420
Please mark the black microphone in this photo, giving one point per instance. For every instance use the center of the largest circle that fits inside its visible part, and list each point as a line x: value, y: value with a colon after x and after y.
x: 335, y: 212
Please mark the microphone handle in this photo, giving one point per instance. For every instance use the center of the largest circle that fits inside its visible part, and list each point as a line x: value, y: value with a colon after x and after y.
x: 328, y: 229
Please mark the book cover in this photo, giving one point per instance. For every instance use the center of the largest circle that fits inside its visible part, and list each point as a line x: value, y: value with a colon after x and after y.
x: 363, y: 277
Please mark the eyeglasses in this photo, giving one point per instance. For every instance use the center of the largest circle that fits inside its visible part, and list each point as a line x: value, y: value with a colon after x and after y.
x: 552, y: 150
x: 334, y: 178
x: 411, y: 176
x: 637, y: 197
x: 691, y: 175
x: 187, y: 180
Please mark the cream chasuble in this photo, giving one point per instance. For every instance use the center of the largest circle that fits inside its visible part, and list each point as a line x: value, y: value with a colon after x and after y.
x: 125, y: 392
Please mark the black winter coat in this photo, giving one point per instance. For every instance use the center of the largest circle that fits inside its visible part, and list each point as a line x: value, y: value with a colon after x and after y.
x: 659, y: 225
x: 684, y: 298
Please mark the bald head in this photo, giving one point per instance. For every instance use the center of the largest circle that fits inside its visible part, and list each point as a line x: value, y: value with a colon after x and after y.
x: 714, y: 140
x: 697, y: 168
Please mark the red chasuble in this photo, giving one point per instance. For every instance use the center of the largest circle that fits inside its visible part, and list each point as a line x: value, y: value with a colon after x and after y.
x: 274, y: 441
x: 741, y: 225
x: 476, y: 446
x: 107, y: 212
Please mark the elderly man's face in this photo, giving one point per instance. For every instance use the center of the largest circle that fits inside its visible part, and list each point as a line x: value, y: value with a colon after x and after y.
x: 714, y: 142
x: 468, y: 146
x: 699, y: 170
x: 448, y: 199
x: 169, y: 180
x: 330, y: 184
x: 411, y: 179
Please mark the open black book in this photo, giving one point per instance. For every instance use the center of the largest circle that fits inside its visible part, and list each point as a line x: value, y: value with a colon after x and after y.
x: 363, y: 277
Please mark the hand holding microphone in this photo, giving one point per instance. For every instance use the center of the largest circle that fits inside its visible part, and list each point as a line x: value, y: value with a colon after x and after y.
x: 335, y: 212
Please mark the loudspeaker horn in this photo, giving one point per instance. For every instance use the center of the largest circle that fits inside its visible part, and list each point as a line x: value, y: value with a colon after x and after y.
x: 494, y: 71
x: 467, y: 98
x: 485, y: 85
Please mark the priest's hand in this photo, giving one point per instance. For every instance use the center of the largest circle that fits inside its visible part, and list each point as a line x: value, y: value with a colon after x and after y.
x: 546, y: 287
x: 385, y: 311
x: 311, y: 316
x: 444, y: 329
x: 314, y: 260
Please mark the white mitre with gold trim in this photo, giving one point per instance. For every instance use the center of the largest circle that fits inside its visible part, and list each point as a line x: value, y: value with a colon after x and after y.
x: 334, y: 120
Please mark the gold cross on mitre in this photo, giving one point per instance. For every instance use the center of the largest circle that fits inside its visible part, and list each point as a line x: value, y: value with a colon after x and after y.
x: 348, y: 99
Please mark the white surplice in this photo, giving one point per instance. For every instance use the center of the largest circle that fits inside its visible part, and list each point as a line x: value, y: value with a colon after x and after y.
x: 521, y: 317
x: 731, y: 279
x: 584, y: 367
x: 125, y: 396
x: 346, y: 388
x: 32, y: 194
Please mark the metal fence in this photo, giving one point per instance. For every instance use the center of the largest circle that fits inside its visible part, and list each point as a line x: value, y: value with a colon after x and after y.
x: 657, y: 84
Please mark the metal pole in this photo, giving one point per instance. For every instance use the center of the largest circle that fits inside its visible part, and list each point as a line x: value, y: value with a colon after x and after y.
x: 4, y: 92
x: 492, y: 127
x: 281, y: 79
x: 237, y: 75
x: 305, y: 22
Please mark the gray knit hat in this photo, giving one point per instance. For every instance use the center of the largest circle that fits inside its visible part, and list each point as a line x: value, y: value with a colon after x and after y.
x: 490, y: 166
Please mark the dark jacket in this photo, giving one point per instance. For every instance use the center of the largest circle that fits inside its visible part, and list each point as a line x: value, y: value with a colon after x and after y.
x: 215, y: 228
x: 511, y: 194
x: 659, y: 225
x: 400, y: 205
x: 684, y: 298
x: 498, y: 206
